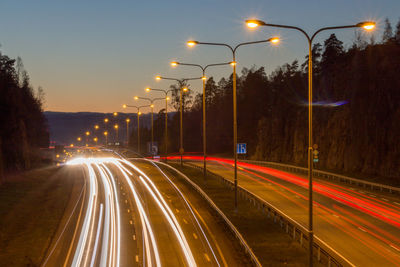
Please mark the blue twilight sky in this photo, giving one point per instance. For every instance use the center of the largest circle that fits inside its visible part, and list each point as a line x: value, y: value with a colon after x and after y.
x: 95, y: 55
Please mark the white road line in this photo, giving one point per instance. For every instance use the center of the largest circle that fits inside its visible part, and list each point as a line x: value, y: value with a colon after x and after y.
x: 335, y: 215
x: 395, y: 248
x: 362, y: 229
x: 384, y: 199
x: 397, y: 203
x: 207, y: 258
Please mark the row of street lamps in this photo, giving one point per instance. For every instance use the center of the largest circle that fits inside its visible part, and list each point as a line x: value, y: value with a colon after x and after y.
x: 368, y: 25
x: 106, y: 132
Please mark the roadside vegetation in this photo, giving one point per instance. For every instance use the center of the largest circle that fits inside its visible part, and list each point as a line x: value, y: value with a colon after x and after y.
x: 31, y: 206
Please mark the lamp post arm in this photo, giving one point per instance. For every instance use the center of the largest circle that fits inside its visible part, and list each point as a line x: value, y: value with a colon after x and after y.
x: 248, y: 43
x: 332, y: 28
x: 218, y: 44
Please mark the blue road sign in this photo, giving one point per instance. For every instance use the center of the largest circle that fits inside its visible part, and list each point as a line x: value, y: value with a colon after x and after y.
x: 241, y: 148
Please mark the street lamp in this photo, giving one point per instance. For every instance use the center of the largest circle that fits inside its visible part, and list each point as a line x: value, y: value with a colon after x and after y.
x: 116, y: 130
x: 87, y: 136
x: 192, y: 43
x: 148, y: 89
x: 181, y: 90
x: 106, y: 136
x: 138, y: 120
x: 127, y: 131
x: 367, y: 25
x: 204, y: 78
x: 151, y: 100
x: 95, y: 140
x: 96, y: 127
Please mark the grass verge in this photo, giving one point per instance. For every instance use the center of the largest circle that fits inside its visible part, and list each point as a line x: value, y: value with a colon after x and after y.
x: 31, y: 207
x: 271, y: 245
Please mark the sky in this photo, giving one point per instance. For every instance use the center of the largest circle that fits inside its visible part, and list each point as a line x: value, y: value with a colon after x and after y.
x: 96, y: 55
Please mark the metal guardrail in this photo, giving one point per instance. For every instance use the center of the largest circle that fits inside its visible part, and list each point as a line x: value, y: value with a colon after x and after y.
x: 324, y: 174
x: 233, y: 229
x: 324, y: 253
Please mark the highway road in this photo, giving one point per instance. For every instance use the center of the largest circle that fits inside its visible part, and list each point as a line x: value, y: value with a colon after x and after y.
x: 132, y: 213
x: 362, y: 225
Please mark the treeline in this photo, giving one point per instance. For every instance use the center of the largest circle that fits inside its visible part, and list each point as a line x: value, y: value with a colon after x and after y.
x: 23, y: 127
x: 356, y: 109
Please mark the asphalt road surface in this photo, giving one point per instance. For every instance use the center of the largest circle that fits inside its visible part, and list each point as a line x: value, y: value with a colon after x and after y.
x: 132, y: 213
x: 362, y: 225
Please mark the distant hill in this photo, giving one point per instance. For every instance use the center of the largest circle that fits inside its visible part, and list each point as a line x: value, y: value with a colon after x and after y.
x: 66, y: 127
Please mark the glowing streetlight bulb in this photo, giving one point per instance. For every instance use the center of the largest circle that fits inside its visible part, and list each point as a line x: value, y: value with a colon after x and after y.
x: 116, y: 126
x: 204, y: 78
x: 367, y: 25
x: 136, y: 97
x: 158, y: 78
x: 174, y: 63
x: 105, y: 133
x: 233, y: 63
x: 128, y: 120
x: 152, y: 106
x: 147, y: 89
x: 105, y: 120
x: 124, y: 106
x: 167, y: 98
x: 79, y: 139
x: 275, y: 40
x: 115, y: 114
x: 253, y: 23
x: 185, y: 89
x: 191, y: 43
x: 87, y: 133
x: 96, y: 127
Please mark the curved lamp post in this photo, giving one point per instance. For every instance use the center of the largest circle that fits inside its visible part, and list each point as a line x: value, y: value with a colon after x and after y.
x: 204, y: 78
x: 148, y: 89
x: 151, y: 100
x: 192, y: 43
x: 367, y: 25
x: 182, y: 89
x: 138, y: 123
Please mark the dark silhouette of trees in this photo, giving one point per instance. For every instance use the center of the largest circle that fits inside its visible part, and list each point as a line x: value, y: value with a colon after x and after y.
x: 23, y: 127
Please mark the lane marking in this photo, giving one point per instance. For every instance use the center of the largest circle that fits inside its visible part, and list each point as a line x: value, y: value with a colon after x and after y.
x: 195, y: 236
x: 134, y: 237
x: 335, y: 215
x: 129, y: 211
x: 362, y: 229
x: 130, y: 222
x: 185, y: 221
x: 397, y: 203
x: 395, y: 248
x: 207, y: 258
x: 126, y: 201
x: 137, y: 258
x: 384, y: 199
x: 177, y: 211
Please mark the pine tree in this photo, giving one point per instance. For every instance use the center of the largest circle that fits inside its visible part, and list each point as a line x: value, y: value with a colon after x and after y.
x: 388, y: 32
x: 397, y: 34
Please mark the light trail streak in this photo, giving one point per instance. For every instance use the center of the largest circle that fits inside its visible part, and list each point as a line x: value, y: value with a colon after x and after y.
x: 152, y: 189
x: 190, y: 209
x: 368, y: 206
x: 97, y: 236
